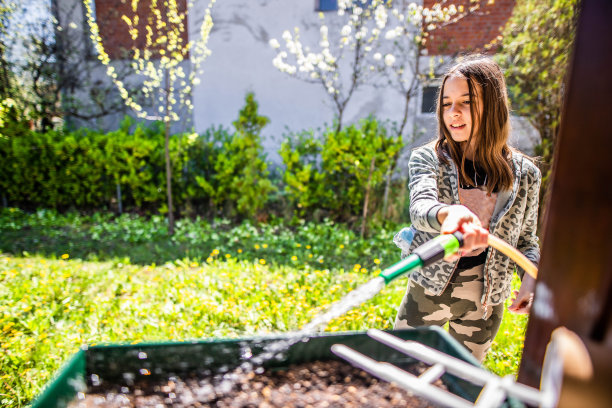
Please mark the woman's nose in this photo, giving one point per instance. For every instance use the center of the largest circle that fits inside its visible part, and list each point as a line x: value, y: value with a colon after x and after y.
x: 453, y: 111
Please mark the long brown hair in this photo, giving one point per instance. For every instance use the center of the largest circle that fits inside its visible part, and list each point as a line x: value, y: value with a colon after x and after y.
x: 491, y: 151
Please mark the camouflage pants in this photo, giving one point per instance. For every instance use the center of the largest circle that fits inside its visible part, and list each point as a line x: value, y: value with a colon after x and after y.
x: 459, y: 305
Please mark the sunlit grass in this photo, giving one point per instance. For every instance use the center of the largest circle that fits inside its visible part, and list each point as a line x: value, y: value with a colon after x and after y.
x: 507, y: 348
x: 48, y: 308
x: 50, y: 305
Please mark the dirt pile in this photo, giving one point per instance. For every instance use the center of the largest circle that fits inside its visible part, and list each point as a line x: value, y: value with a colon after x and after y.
x: 317, y: 384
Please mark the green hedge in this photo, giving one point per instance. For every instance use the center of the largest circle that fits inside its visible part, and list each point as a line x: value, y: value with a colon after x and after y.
x: 219, y: 173
x: 81, y: 169
x: 84, y: 168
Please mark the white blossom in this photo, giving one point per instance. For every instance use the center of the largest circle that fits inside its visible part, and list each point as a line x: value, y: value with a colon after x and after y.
x: 292, y: 48
x: 344, y: 4
x: 391, y: 34
x: 377, y: 56
x: 329, y: 58
x: 346, y: 30
x: 361, y: 33
x: 313, y: 58
x: 389, y: 60
x: 380, y: 15
x: 274, y: 43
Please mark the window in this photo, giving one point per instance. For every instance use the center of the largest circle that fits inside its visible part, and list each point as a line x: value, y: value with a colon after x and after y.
x: 332, y: 5
x: 326, y: 5
x: 429, y: 99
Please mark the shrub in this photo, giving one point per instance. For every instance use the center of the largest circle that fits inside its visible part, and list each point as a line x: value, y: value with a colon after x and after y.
x: 335, y: 172
x: 82, y: 169
x: 239, y: 185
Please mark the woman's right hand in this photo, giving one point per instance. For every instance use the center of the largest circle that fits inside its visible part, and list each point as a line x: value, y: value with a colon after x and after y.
x: 460, y: 218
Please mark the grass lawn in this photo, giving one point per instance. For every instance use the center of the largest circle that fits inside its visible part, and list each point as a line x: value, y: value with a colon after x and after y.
x: 77, y: 284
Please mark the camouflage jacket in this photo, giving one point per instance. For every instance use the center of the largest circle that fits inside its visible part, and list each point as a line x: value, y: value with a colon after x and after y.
x: 434, y: 185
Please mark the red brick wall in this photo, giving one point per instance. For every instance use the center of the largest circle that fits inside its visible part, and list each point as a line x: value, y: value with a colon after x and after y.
x: 472, y: 32
x: 115, y: 32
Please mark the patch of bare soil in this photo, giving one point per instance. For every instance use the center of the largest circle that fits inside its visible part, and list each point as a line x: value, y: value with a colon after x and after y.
x: 317, y: 384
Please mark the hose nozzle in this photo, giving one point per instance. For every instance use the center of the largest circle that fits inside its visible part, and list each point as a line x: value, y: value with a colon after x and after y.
x: 426, y: 254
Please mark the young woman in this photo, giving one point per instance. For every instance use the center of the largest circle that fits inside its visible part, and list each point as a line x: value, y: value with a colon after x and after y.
x: 471, y: 180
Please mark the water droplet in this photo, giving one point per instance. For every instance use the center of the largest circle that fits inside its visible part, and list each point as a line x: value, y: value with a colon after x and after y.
x: 95, y: 380
x: 225, y: 386
x: 247, y: 353
x: 129, y: 378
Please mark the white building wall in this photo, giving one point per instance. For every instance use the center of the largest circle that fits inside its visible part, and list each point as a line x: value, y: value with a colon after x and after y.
x: 241, y: 61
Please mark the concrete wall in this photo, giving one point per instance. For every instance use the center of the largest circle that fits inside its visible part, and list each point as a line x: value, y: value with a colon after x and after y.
x: 241, y: 61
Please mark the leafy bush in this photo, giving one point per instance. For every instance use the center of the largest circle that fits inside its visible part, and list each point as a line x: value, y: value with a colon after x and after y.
x: 82, y: 169
x: 219, y: 173
x: 216, y: 173
x: 240, y: 184
x: 335, y: 172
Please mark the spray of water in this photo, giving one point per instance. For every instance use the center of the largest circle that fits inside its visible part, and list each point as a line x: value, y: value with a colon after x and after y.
x: 358, y: 296
x: 275, y: 349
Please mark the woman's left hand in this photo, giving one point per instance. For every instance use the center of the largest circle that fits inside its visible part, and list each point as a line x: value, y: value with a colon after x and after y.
x: 523, y: 298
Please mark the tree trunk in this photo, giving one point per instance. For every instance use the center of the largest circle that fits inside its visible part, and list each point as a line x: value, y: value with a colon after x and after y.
x: 405, y: 116
x: 367, y: 199
x: 339, y: 125
x: 387, y: 188
x: 168, y: 166
x: 119, y: 203
x: 168, y: 181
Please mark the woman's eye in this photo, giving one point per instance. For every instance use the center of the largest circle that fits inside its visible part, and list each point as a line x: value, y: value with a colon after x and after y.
x: 446, y: 104
x: 467, y: 102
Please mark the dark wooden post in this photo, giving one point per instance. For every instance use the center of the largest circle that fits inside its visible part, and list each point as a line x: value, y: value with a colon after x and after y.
x: 575, y: 276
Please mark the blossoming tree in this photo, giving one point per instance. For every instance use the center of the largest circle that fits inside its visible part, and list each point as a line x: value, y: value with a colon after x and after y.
x: 384, y: 42
x: 160, y: 46
x: 376, y: 42
x: 344, y: 48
